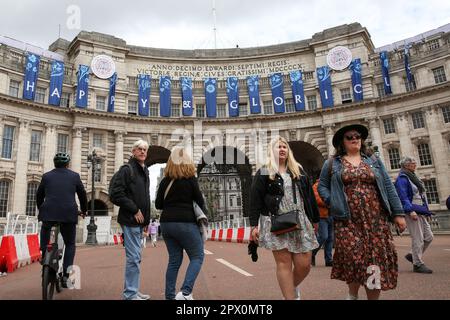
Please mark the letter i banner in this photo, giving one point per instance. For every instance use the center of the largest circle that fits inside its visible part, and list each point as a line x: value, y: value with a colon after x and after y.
x: 144, y: 94
x: 165, y: 100
x: 253, y: 94
x: 30, y: 76
x: 211, y: 97
x: 186, y: 94
x: 277, y: 86
x: 82, y: 86
x: 355, y: 69
x: 326, y: 92
x: 385, y: 70
x: 56, y: 83
x: 112, y: 92
x: 233, y: 96
x: 298, y: 91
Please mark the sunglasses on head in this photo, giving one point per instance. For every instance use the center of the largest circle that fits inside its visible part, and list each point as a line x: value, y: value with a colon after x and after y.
x: 350, y: 137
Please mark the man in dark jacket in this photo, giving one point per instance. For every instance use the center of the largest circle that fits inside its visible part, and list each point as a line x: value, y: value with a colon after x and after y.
x: 131, y: 193
x: 55, y: 199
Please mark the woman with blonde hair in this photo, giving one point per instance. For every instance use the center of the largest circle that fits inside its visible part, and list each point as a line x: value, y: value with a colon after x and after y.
x: 176, y: 193
x: 280, y: 188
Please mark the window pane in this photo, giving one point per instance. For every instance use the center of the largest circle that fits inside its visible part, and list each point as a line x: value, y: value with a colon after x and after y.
x: 243, y: 111
x: 98, y: 140
x: 175, y: 110
x: 410, y: 86
x: 446, y: 114
x: 35, y: 150
x: 31, y: 208
x: 221, y: 110
x: 439, y: 75
x: 290, y: 106
x: 389, y: 126
x: 14, y: 88
x: 154, y: 109
x: 40, y: 95
x: 424, y: 154
x: 100, y: 103
x: 418, y: 120
x: 268, y: 107
x: 63, y: 140
x: 4, y: 197
x: 432, y: 192
x: 7, y: 143
x: 312, y: 102
x: 200, y: 110
x: 132, y: 107
x: 394, y: 158
x: 380, y: 90
x: 65, y: 99
x: 346, y: 95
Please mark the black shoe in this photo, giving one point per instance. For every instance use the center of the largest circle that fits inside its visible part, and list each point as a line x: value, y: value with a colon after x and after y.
x: 329, y: 264
x: 409, y: 257
x: 422, y: 269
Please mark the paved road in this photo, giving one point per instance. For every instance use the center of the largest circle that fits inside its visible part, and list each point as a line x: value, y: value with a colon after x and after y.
x: 102, y: 270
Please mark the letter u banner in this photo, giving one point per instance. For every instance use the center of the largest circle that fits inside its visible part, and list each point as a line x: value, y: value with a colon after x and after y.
x: 82, y: 86
x: 165, y: 99
x: 355, y: 69
x: 298, y: 91
x: 326, y: 92
x: 211, y: 97
x: 56, y: 83
x: 112, y: 92
x: 253, y: 94
x: 233, y: 96
x: 385, y: 70
x: 144, y: 94
x: 186, y: 94
x: 277, y: 86
x: 31, y: 75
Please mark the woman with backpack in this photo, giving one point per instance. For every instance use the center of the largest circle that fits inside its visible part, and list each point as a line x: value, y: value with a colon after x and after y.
x: 362, y: 200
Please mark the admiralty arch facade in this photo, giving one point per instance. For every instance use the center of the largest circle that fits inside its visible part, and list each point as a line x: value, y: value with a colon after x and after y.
x: 413, y: 120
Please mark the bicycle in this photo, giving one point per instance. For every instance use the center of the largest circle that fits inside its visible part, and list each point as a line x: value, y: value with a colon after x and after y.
x: 52, y: 266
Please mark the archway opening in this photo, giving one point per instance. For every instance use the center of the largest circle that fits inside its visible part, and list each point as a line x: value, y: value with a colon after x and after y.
x: 100, y: 208
x: 309, y: 157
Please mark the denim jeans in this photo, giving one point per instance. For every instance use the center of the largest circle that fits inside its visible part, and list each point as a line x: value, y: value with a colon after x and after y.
x: 179, y: 236
x: 132, y: 241
x: 325, y: 237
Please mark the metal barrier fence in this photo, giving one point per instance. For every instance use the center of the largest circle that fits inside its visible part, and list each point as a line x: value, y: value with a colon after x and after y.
x: 19, y: 224
x: 234, y: 223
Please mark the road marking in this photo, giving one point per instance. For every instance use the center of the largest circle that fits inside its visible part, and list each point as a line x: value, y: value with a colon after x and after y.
x: 229, y: 265
x: 207, y: 252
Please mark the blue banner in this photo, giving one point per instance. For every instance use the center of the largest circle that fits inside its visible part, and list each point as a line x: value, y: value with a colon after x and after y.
x: 385, y: 69
x: 233, y: 96
x: 31, y: 75
x: 56, y: 83
x: 298, y: 90
x: 326, y: 93
x: 82, y: 86
x: 112, y: 92
x: 277, y: 86
x: 407, y: 65
x: 165, y: 99
x: 355, y: 69
x: 211, y: 97
x: 253, y: 94
x: 144, y: 94
x: 186, y: 94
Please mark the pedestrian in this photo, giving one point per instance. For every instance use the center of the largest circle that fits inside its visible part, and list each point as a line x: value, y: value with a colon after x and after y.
x: 176, y: 193
x: 412, y: 193
x: 130, y: 192
x: 279, y: 189
x: 153, y: 232
x: 145, y: 234
x: 325, y: 233
x: 362, y: 200
x: 448, y: 203
x: 55, y: 199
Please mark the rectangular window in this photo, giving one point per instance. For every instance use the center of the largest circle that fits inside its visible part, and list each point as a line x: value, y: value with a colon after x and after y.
x: 433, y: 44
x: 424, y: 154
x: 35, y: 149
x: 290, y: 106
x: 40, y: 95
x: 4, y: 197
x: 65, y: 100
x: 97, y: 140
x: 389, y: 126
x: 98, y: 173
x: 380, y: 90
x: 221, y: 110
x: 243, y: 111
x: 7, y: 143
x: 132, y: 107
x: 154, y: 109
x: 410, y: 86
x: 346, y: 95
x: 268, y: 107
x: 312, y: 102
x: 63, y: 140
x: 14, y: 88
x: 100, y: 103
x: 418, y: 120
x: 175, y: 110
x: 432, y: 192
x: 446, y: 114
x: 439, y: 75
x: 31, y: 208
x: 200, y: 110
x: 394, y: 158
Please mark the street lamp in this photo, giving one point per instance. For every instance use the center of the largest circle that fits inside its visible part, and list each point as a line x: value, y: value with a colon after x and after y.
x: 93, y: 161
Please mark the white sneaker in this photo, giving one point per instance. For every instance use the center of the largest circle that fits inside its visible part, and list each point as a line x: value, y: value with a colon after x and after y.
x: 351, y: 297
x: 181, y: 296
x: 297, y: 293
x: 136, y: 297
x: 143, y: 296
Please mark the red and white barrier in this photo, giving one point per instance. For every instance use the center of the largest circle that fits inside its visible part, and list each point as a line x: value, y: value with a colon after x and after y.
x: 115, y: 239
x: 18, y: 250
x: 239, y: 235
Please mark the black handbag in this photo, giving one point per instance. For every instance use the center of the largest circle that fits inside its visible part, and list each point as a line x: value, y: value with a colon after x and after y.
x: 286, y: 222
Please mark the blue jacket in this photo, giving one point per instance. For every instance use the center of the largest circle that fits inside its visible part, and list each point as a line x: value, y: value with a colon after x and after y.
x: 405, y: 192
x: 333, y: 194
x: 55, y: 197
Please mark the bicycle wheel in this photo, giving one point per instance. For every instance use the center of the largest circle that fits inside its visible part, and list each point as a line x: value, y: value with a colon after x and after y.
x: 48, y: 283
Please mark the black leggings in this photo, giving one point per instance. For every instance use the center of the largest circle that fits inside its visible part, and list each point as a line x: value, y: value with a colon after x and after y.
x: 68, y: 232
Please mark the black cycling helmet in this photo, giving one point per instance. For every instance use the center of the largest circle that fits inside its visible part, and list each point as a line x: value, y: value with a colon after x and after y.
x: 61, y: 159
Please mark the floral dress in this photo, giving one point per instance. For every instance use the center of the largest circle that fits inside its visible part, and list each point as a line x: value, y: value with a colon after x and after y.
x: 297, y: 241
x: 365, y: 239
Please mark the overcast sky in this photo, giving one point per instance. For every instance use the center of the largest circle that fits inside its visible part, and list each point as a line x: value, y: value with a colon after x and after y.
x: 188, y: 24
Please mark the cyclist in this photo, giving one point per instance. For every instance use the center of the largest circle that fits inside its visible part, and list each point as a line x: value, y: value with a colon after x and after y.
x: 55, y: 200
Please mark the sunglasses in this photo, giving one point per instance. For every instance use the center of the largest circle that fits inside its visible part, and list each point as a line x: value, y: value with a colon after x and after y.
x: 355, y: 136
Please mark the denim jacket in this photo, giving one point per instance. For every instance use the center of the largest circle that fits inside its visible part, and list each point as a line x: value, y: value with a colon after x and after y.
x: 333, y: 194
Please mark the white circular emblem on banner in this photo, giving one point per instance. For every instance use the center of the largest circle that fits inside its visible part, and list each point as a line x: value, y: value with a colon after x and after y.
x: 103, y: 66
x: 339, y: 58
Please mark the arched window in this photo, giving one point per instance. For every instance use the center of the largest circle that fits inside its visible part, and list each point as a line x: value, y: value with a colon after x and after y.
x: 4, y: 196
x: 31, y: 208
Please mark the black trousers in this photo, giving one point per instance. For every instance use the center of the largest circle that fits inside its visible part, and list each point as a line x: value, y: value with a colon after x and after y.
x: 68, y: 232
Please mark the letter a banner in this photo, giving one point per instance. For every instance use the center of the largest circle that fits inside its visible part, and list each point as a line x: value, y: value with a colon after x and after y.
x: 253, y: 94
x: 56, y: 83
x: 326, y: 93
x: 165, y: 100
x: 144, y: 95
x: 31, y: 75
x: 112, y: 92
x: 233, y: 96
x: 298, y: 91
x: 277, y: 86
x: 186, y: 94
x: 385, y: 69
x: 82, y: 86
x: 211, y: 97
x: 355, y: 69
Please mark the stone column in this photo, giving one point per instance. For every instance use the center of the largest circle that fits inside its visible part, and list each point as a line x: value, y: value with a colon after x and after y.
x: 329, y: 132
x: 76, y: 149
x: 375, y: 135
x: 403, y: 130
x: 50, y: 146
x: 22, y: 157
x: 118, y: 160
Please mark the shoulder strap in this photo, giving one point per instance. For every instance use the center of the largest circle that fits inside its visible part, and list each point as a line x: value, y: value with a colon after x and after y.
x: 168, y: 188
